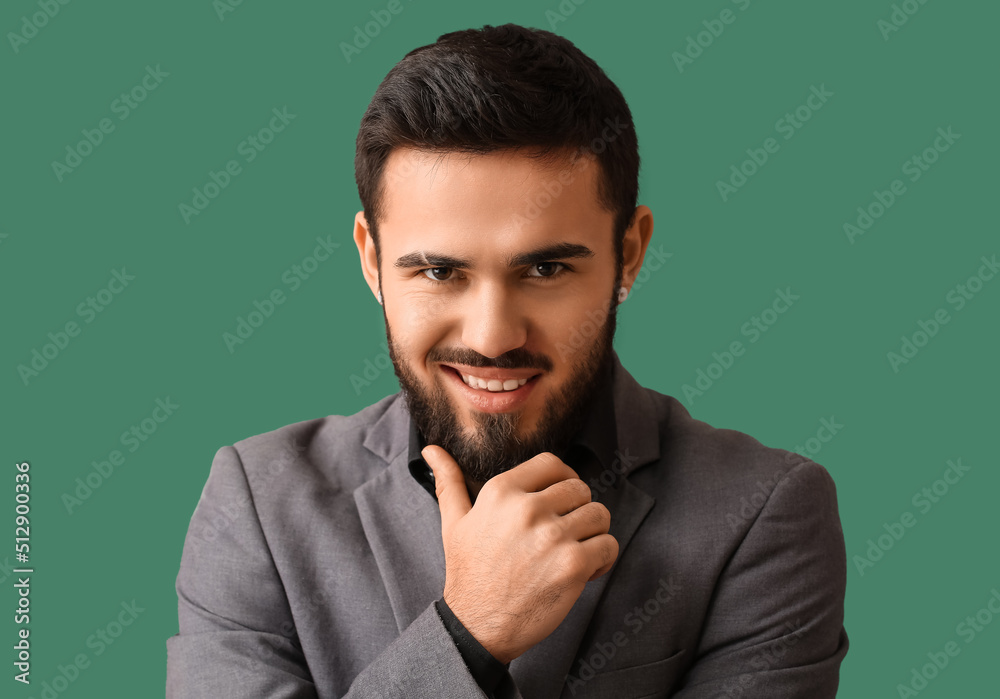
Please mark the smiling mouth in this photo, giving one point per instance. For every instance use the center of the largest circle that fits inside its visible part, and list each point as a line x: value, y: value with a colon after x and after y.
x: 491, y: 385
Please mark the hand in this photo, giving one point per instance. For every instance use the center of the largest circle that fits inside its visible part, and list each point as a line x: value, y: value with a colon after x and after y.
x: 517, y: 562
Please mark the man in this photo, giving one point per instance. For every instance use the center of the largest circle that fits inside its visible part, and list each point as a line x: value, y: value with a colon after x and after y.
x: 523, y: 519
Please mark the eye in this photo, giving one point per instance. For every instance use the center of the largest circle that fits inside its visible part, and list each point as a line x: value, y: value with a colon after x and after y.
x: 437, y: 274
x: 546, y: 269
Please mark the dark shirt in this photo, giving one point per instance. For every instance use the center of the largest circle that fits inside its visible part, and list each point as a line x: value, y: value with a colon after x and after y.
x: 591, y: 454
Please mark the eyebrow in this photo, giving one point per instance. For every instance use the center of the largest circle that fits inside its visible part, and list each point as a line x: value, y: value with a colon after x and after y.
x: 549, y: 253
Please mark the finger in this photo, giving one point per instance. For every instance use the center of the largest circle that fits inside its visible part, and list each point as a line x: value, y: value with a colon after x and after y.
x: 564, y: 496
x: 538, y: 473
x: 449, y: 485
x: 603, y: 550
x: 593, y: 519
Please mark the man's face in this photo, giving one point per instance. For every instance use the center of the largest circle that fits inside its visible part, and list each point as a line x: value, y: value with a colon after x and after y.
x: 485, y: 274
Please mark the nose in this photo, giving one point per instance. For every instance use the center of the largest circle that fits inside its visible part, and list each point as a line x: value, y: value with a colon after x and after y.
x: 492, y: 323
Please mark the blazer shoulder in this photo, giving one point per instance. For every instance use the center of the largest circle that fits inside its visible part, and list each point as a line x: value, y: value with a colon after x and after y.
x: 317, y: 446
x: 726, y: 456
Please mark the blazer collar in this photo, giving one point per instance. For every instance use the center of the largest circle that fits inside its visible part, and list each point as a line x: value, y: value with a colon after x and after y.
x: 403, y: 526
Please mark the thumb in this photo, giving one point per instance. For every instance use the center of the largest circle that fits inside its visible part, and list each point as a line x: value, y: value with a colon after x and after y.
x: 449, y: 485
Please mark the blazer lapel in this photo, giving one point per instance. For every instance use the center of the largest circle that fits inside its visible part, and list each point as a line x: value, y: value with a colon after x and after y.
x: 542, y: 671
x: 401, y: 522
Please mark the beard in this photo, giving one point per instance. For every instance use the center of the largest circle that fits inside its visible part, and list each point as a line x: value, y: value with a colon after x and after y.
x: 495, y: 444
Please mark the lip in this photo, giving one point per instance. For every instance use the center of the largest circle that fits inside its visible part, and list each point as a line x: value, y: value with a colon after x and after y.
x: 488, y: 401
x: 493, y: 372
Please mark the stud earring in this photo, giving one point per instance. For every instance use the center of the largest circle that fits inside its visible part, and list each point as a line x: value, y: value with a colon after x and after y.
x: 378, y: 295
x: 622, y: 294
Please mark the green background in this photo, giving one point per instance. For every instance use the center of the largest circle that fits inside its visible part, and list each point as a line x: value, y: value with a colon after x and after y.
x: 162, y: 336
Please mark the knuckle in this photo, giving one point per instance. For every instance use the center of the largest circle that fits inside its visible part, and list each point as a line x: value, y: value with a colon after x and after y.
x: 598, y: 514
x: 574, y: 490
x: 581, y: 489
x: 611, y: 551
x: 524, y: 510
x: 547, y: 458
x: 487, y: 489
x: 602, y: 511
x: 491, y: 489
x: 549, y: 534
x: 574, y: 561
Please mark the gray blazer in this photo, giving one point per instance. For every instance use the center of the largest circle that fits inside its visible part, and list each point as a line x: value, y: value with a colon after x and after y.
x: 313, y: 560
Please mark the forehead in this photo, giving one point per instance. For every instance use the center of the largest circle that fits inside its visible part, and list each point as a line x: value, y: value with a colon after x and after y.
x: 504, y: 196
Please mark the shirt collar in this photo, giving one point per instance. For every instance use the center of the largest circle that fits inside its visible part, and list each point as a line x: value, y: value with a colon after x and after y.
x: 598, y: 437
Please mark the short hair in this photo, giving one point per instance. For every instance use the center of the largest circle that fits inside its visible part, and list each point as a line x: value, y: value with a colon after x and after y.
x: 509, y: 87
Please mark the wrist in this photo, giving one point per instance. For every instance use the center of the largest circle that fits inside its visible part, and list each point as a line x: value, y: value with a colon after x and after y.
x: 498, y: 654
x: 481, y: 633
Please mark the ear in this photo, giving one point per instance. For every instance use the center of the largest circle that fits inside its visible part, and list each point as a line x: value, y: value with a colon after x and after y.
x: 366, y: 250
x: 635, y: 243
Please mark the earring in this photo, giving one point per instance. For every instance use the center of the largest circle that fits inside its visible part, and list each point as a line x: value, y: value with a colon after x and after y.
x: 622, y: 294
x: 378, y: 295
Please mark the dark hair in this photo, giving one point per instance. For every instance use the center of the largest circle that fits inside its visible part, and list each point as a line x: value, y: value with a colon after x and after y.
x: 498, y: 88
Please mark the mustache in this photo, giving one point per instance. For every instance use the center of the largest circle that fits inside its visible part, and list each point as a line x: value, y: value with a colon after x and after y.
x: 515, y: 359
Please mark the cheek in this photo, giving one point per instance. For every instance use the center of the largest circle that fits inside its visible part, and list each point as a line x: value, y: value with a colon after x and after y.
x: 415, y: 330
x: 576, y: 327
x: 418, y: 311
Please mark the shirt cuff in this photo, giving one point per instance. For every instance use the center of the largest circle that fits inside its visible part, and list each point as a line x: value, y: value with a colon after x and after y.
x: 488, y: 672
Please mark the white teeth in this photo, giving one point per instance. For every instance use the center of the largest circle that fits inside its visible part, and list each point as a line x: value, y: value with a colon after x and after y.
x: 493, y: 385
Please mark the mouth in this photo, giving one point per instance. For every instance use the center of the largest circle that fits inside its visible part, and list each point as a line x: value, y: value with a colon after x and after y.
x: 492, y: 390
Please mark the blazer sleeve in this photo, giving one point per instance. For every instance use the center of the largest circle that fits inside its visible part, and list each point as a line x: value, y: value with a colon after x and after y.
x: 236, y: 633
x: 775, y: 626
